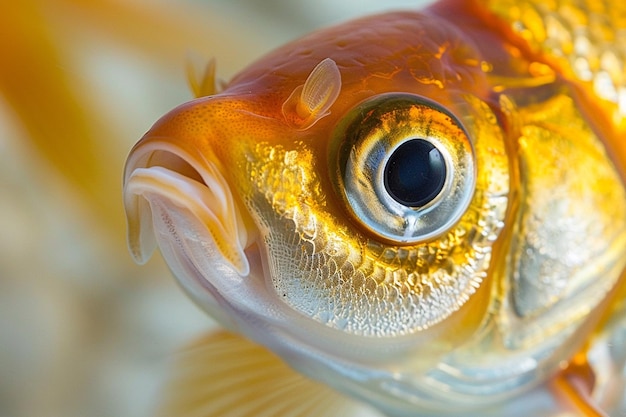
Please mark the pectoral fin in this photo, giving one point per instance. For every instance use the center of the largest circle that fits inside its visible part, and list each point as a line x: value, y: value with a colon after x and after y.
x: 573, y: 387
x: 223, y: 375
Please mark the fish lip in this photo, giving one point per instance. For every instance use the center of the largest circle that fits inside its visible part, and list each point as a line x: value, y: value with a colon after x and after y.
x: 159, y: 169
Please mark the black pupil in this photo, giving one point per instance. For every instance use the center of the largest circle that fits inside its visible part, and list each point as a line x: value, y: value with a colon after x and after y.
x: 415, y: 173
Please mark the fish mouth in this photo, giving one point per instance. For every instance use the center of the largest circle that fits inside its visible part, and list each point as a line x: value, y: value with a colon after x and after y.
x: 177, y: 198
x: 181, y: 201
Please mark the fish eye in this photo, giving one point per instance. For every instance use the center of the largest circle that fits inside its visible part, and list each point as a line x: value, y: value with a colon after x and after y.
x: 404, y: 167
x: 415, y: 173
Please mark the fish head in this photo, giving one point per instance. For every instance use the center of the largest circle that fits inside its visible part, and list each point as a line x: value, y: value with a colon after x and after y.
x: 353, y: 202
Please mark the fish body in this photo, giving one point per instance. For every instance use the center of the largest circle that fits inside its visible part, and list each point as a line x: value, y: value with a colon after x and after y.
x: 424, y: 210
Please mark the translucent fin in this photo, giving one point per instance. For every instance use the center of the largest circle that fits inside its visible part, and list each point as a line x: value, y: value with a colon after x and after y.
x: 310, y: 102
x: 607, y: 357
x: 201, y: 77
x: 223, y: 375
x: 573, y: 387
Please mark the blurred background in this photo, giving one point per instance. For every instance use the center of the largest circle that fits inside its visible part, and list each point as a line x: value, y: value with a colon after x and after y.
x: 84, y: 331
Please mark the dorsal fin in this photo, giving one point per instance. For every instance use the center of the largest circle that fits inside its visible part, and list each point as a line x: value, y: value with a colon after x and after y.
x: 201, y: 77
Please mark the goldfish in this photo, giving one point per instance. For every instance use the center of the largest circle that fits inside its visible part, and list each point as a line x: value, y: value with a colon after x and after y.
x: 422, y: 210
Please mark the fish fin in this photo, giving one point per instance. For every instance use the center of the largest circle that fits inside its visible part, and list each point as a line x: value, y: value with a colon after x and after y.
x: 224, y: 375
x: 573, y: 386
x: 201, y: 77
x: 39, y: 90
x: 311, y: 101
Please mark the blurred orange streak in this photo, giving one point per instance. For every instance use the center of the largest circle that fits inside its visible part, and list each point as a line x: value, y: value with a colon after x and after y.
x: 56, y: 109
x: 35, y: 86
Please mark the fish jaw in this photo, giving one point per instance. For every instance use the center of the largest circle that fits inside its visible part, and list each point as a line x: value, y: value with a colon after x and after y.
x: 208, y: 201
x: 176, y: 198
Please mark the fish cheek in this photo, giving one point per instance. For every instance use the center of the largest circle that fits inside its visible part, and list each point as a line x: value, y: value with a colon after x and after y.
x: 326, y: 268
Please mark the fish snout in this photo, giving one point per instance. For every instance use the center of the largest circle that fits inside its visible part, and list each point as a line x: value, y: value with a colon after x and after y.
x: 176, y: 196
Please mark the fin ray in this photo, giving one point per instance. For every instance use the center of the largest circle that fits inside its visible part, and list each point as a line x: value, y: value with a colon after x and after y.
x: 223, y: 375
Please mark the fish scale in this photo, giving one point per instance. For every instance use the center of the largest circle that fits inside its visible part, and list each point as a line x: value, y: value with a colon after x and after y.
x: 585, y: 40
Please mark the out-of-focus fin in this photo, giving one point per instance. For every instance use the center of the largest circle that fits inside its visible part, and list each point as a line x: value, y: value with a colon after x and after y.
x: 38, y: 88
x: 607, y: 357
x: 223, y: 375
x: 201, y: 77
x: 573, y: 387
